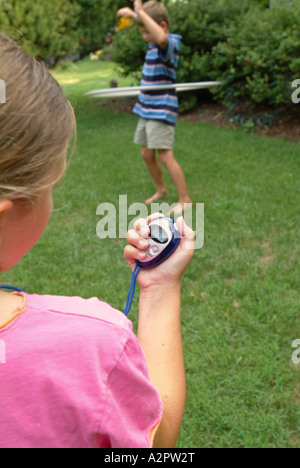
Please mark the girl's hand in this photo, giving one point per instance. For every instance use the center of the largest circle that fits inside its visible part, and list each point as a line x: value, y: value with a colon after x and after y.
x: 169, y: 272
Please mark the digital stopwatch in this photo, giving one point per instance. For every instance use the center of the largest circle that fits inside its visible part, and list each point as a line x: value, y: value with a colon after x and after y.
x: 163, y: 240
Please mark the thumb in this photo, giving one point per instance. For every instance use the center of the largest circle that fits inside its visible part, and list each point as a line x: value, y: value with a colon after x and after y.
x: 186, y: 233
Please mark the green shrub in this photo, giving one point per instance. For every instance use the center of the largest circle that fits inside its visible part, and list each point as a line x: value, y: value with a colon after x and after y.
x: 95, y: 21
x: 253, y: 49
x: 260, y: 58
x: 51, y: 29
x: 129, y: 51
x: 202, y: 24
x: 44, y: 28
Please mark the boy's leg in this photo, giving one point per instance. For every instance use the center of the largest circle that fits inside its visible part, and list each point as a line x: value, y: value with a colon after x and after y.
x: 155, y: 170
x: 177, y: 176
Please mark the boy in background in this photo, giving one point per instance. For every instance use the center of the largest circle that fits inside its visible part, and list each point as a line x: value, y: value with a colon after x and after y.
x: 158, y: 110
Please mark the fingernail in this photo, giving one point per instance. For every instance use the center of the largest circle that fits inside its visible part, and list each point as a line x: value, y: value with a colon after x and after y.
x: 142, y: 244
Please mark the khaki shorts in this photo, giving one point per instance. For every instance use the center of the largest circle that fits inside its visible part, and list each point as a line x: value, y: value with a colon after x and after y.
x: 154, y: 134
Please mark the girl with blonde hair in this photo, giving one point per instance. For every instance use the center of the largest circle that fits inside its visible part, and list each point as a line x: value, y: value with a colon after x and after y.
x: 74, y: 375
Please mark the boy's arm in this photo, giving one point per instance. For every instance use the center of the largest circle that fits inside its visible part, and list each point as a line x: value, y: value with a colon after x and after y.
x: 127, y: 12
x: 159, y: 327
x: 156, y: 31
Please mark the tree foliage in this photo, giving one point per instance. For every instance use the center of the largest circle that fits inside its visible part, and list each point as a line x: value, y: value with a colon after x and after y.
x: 54, y: 28
x: 96, y: 19
x: 45, y: 28
x: 252, y: 48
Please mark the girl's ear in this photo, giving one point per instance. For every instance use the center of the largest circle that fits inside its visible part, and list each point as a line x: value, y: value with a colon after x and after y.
x: 5, y: 207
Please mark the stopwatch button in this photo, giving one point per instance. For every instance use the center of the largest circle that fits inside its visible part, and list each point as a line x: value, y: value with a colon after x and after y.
x: 153, y: 250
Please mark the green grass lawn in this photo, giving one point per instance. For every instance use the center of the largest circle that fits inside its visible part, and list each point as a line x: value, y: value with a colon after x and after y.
x: 240, y: 295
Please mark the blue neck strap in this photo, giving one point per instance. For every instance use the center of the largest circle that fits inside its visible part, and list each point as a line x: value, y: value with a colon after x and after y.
x: 131, y: 289
x: 129, y: 297
x: 12, y: 288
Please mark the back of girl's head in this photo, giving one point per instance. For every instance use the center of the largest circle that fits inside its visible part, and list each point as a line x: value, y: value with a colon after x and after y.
x: 36, y: 124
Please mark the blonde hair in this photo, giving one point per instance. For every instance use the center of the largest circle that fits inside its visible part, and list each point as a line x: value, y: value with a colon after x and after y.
x: 156, y: 10
x: 36, y: 124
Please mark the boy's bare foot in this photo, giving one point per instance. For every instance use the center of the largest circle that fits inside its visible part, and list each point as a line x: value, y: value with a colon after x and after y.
x: 159, y: 194
x: 179, y: 208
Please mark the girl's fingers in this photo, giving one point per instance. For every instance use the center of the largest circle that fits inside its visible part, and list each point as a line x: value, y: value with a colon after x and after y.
x: 136, y: 240
x: 154, y: 216
x: 131, y: 253
x: 138, y: 243
x: 141, y: 227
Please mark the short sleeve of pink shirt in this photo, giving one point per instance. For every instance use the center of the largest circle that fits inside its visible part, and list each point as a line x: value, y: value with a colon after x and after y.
x: 74, y: 376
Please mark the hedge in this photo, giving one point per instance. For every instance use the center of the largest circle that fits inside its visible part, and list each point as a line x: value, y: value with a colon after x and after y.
x: 44, y: 28
x: 51, y: 29
x: 253, y: 49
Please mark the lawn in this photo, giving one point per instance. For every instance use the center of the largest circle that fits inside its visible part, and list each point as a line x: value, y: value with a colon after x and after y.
x: 240, y: 295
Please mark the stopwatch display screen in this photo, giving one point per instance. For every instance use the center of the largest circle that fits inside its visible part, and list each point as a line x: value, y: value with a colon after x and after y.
x: 158, y: 234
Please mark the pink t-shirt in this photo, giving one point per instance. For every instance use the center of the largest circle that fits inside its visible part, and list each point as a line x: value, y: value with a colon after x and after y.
x: 74, y: 376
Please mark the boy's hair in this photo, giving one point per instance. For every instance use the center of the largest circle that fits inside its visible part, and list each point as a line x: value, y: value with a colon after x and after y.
x: 36, y: 124
x: 156, y: 10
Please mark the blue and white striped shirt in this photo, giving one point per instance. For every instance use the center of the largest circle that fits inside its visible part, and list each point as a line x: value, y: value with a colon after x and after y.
x: 160, y: 69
